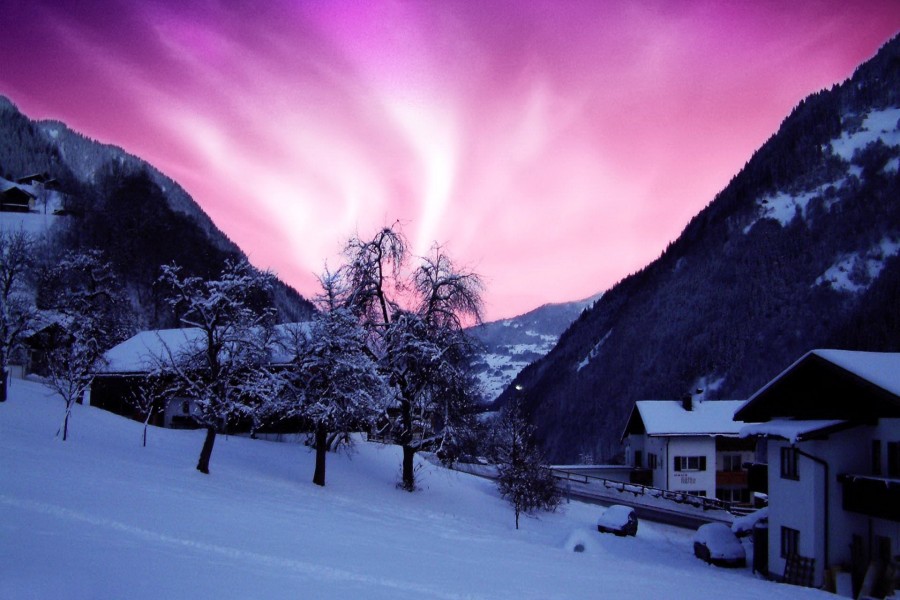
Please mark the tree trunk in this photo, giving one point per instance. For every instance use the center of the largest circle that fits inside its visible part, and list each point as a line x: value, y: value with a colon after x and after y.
x: 66, y: 421
x: 206, y: 452
x: 321, y: 449
x: 517, y: 516
x: 4, y: 379
x: 146, y: 421
x: 409, y: 475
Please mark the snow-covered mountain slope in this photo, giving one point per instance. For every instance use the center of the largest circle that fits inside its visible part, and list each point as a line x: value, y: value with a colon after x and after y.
x: 120, y: 204
x: 801, y: 250
x: 98, y: 516
x: 509, y: 345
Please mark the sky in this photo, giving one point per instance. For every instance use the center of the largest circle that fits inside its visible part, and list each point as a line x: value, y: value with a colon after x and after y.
x: 553, y: 147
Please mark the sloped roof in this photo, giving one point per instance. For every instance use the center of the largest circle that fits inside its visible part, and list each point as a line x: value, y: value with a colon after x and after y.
x: 794, y: 431
x: 830, y: 384
x: 669, y: 418
x: 144, y: 351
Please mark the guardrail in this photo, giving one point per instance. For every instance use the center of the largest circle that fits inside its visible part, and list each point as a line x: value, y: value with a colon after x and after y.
x: 637, y: 489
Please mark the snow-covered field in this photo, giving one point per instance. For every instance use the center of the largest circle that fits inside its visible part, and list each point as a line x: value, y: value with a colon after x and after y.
x: 99, y: 516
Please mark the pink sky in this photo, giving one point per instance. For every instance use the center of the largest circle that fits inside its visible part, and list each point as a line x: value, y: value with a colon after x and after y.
x: 554, y: 147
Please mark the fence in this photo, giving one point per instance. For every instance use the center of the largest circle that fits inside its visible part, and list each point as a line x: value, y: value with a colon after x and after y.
x: 637, y: 489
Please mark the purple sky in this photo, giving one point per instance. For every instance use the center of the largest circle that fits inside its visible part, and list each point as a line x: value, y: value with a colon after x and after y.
x: 553, y: 147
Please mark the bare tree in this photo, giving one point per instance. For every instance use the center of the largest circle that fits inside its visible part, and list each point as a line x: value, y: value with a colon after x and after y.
x: 150, y: 397
x: 83, y: 297
x: 17, y: 308
x: 416, y: 319
x: 222, y: 366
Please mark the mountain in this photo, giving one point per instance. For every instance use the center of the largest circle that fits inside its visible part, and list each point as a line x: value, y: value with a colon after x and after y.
x: 509, y: 345
x: 799, y: 251
x: 103, y: 198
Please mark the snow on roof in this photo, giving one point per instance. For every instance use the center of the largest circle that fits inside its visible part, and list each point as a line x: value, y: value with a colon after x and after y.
x: 144, y: 351
x: 879, y: 368
x: 708, y: 417
x: 790, y: 430
x: 147, y: 349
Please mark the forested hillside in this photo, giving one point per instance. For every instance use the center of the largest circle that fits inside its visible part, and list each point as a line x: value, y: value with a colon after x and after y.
x: 116, y: 203
x: 799, y: 251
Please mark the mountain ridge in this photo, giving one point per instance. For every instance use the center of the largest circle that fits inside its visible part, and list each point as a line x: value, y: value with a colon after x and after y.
x: 798, y: 251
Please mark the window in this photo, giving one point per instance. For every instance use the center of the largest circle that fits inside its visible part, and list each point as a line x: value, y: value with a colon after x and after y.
x: 185, y: 408
x: 790, y: 542
x: 893, y: 459
x: 731, y: 462
x: 638, y: 459
x: 651, y: 461
x: 876, y: 457
x: 739, y: 495
x: 690, y: 463
x: 789, y: 464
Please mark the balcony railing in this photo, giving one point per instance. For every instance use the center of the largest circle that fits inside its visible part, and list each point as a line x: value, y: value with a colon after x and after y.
x: 873, y: 496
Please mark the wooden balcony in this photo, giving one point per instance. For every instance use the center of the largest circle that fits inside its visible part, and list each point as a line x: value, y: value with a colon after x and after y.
x: 873, y: 496
x: 731, y: 478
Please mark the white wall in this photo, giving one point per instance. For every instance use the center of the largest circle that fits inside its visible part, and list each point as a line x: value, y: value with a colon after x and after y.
x: 800, y: 505
x: 692, y: 480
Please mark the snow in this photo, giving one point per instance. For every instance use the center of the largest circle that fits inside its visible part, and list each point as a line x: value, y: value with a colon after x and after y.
x: 745, y: 524
x: 880, y: 368
x: 708, y: 417
x: 37, y: 222
x: 855, y: 272
x: 99, y: 516
x: 615, y: 517
x: 720, y: 541
x: 146, y: 350
x: 878, y: 124
x: 790, y: 430
x: 594, y: 351
x: 783, y: 206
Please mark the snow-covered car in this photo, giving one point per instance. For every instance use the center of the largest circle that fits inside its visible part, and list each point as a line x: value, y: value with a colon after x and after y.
x: 716, y: 544
x: 619, y: 520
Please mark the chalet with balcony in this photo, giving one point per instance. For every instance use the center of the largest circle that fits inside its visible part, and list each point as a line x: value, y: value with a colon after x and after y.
x: 832, y: 425
x: 690, y: 446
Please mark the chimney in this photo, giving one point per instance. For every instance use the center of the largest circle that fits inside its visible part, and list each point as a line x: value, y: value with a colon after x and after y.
x: 687, y: 402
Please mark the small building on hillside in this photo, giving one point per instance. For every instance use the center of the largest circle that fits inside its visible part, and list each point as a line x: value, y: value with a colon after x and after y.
x: 832, y: 425
x: 15, y: 199
x: 42, y: 180
x: 136, y: 361
x: 690, y: 446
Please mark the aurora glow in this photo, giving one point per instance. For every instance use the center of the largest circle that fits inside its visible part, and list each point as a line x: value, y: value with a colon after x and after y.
x: 554, y: 147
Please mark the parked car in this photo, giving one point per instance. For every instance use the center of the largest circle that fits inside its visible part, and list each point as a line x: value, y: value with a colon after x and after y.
x: 716, y: 544
x: 619, y: 520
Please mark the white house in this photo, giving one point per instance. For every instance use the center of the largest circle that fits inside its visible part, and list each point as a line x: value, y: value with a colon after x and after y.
x: 832, y: 424
x: 691, y: 446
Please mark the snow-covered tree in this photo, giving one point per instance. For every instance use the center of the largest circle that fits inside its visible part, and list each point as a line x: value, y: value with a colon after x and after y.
x: 17, y: 310
x: 335, y: 380
x: 223, y: 364
x: 82, y: 297
x: 523, y: 478
x: 415, y: 319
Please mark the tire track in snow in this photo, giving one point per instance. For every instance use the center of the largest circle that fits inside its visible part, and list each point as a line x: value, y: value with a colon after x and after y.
x: 308, y: 569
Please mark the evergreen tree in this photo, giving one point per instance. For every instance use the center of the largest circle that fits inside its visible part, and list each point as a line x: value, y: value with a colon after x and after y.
x: 522, y: 477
